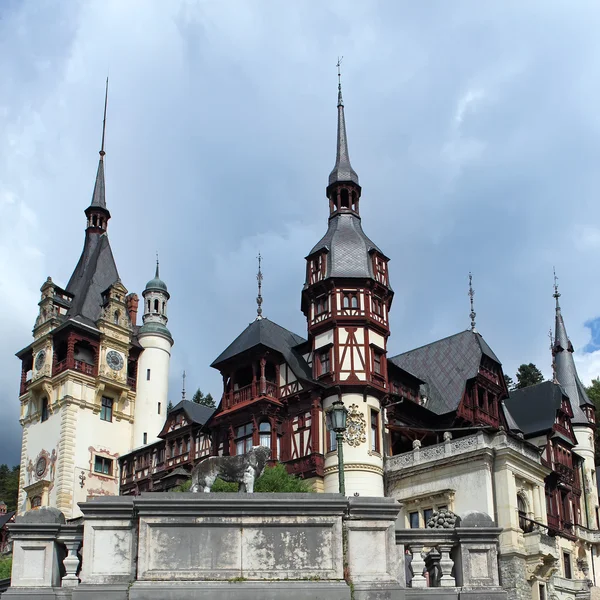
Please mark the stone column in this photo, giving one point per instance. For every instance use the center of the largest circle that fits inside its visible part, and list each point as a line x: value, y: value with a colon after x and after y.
x: 418, y: 566
x: 373, y: 566
x: 446, y: 565
x: 71, y: 536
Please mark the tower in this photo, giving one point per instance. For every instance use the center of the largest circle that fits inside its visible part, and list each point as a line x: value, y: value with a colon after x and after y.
x: 583, y: 420
x: 153, y: 368
x: 78, y: 376
x: 346, y: 299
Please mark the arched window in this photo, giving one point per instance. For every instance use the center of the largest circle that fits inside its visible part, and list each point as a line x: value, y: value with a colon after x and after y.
x: 94, y: 220
x: 354, y: 301
x: 148, y: 305
x: 44, y: 411
x: 344, y: 199
x: 36, y: 502
x: 264, y: 434
x: 156, y: 306
x: 164, y: 307
x: 116, y: 317
x: 346, y: 301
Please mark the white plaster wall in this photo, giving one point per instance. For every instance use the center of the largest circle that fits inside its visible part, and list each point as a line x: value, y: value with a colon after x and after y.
x: 585, y: 448
x: 363, y: 468
x: 156, y: 357
x: 377, y: 339
x: 323, y: 339
x: 471, y: 481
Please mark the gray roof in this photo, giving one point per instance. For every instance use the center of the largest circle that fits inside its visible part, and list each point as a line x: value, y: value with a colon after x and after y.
x: 156, y: 284
x: 342, y: 171
x: 197, y: 413
x: 263, y: 332
x: 152, y: 327
x: 95, y: 272
x: 348, y: 248
x: 510, y: 421
x: 446, y: 366
x: 566, y: 372
x: 99, y: 194
x: 534, y: 407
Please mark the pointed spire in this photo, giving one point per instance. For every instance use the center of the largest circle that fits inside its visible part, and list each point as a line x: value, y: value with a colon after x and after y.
x: 183, y: 386
x: 343, y: 170
x: 99, y: 195
x: 472, y: 314
x: 157, y: 274
x: 560, y: 335
x: 259, y: 299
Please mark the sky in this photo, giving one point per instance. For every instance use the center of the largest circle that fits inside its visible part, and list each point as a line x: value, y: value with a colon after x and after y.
x: 474, y: 128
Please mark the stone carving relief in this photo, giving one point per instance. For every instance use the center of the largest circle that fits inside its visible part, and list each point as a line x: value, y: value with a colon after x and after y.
x: 356, y: 427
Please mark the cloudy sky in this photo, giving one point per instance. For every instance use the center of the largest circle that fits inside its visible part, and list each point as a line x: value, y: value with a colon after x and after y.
x: 474, y: 128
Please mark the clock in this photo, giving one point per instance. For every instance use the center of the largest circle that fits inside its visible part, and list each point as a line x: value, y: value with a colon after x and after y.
x: 114, y: 360
x: 40, y: 466
x: 40, y: 359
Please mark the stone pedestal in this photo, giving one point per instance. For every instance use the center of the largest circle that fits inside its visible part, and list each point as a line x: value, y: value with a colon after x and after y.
x: 372, y: 558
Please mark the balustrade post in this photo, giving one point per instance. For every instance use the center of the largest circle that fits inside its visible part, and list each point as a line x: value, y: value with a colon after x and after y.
x: 446, y: 565
x: 418, y: 566
x: 71, y: 563
x: 70, y: 351
x: 263, y: 379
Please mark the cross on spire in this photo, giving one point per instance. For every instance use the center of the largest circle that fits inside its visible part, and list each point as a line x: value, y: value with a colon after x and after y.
x: 259, y: 299
x: 472, y: 314
x: 157, y: 276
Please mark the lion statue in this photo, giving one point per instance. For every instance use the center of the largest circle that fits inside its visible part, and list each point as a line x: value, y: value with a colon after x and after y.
x: 244, y: 469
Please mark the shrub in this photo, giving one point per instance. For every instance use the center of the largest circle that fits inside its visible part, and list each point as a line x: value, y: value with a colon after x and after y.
x: 5, y: 567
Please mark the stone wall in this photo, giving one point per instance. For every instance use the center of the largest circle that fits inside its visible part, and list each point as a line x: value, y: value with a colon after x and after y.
x: 513, y: 578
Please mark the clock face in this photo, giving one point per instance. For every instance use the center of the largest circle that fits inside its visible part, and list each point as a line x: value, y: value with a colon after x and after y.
x: 114, y: 360
x: 40, y: 359
x: 40, y: 466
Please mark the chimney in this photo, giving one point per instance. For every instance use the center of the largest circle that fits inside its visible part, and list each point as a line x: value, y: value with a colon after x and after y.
x: 132, y: 301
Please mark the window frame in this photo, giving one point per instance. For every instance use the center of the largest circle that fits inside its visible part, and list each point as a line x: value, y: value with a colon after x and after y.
x: 44, y: 412
x: 241, y: 440
x: 375, y: 431
x: 104, y: 462
x: 107, y: 409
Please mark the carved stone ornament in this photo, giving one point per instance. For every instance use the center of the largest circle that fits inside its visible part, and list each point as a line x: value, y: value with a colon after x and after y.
x: 356, y: 427
x: 442, y: 519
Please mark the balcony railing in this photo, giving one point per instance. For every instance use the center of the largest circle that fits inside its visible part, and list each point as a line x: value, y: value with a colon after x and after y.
x: 250, y: 392
x: 565, y: 473
x: 131, y: 382
x: 76, y: 365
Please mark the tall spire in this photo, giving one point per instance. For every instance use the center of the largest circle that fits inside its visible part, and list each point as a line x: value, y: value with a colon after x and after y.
x: 99, y: 195
x: 343, y: 170
x: 157, y: 274
x: 472, y: 314
x: 564, y: 365
x: 259, y: 299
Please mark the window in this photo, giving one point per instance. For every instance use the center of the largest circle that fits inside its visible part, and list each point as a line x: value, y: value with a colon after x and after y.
x: 427, y: 514
x: 350, y: 301
x: 159, y: 408
x: 374, y: 431
x: 116, y: 317
x: 542, y: 591
x: 321, y: 305
x: 377, y: 362
x: 156, y: 306
x: 103, y: 465
x: 332, y: 440
x: 377, y: 307
x: 106, y: 412
x: 413, y: 520
x: 147, y: 374
x: 44, y: 409
x: 145, y: 438
x: 567, y: 565
x: 243, y: 439
x: 164, y: 306
x: 148, y: 305
x: 324, y: 364
x: 264, y: 434
x: 188, y: 444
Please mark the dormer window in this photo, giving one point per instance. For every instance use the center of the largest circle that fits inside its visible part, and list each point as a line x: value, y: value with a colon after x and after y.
x: 380, y: 269
x: 321, y: 305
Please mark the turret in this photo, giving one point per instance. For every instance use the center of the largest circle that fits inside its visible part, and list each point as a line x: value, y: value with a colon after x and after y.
x: 153, y: 364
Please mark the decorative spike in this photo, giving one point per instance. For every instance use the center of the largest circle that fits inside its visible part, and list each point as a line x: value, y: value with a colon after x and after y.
x: 339, y: 64
x: 104, y: 120
x: 556, y: 294
x: 183, y: 386
x: 472, y: 314
x: 157, y: 265
x: 99, y: 195
x: 259, y: 299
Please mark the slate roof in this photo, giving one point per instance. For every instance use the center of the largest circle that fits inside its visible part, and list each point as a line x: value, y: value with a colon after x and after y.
x: 5, y: 518
x: 342, y: 171
x: 534, y: 407
x: 197, y: 413
x: 566, y: 372
x: 510, y: 421
x: 95, y: 272
x: 446, y: 365
x: 263, y: 332
x: 348, y: 248
x: 99, y: 194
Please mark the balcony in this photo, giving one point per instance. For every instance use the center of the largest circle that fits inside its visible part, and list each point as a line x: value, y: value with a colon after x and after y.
x: 565, y: 473
x: 75, y: 365
x: 132, y: 382
x: 250, y: 392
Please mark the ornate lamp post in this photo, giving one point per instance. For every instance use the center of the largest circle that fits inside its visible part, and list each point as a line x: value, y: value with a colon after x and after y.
x: 336, y: 421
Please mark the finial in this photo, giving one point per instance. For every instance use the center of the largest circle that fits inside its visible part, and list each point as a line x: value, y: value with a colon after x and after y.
x: 556, y: 294
x: 183, y: 387
x: 259, y: 299
x: 102, y: 153
x: 157, y: 265
x: 472, y: 314
x: 338, y: 65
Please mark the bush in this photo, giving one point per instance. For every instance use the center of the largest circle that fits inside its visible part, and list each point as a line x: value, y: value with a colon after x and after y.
x: 5, y: 567
x: 274, y: 479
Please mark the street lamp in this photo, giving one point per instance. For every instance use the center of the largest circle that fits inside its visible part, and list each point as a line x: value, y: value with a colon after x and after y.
x: 336, y: 421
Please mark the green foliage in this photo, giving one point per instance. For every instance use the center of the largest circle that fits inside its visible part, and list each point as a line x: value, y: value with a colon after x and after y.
x: 5, y: 567
x: 593, y: 392
x: 528, y: 375
x: 200, y: 398
x: 9, y: 486
x: 169, y: 407
x: 274, y: 479
x: 510, y: 384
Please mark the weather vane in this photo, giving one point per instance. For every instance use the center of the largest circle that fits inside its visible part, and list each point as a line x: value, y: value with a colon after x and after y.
x: 259, y: 299
x: 339, y: 71
x: 472, y: 314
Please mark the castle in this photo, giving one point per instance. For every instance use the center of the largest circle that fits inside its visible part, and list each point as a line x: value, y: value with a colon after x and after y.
x: 435, y: 427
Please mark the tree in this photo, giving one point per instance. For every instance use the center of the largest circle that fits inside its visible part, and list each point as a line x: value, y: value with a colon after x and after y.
x: 510, y: 384
x: 9, y: 486
x: 169, y: 407
x: 200, y: 398
x: 593, y: 392
x: 274, y: 479
x: 528, y: 375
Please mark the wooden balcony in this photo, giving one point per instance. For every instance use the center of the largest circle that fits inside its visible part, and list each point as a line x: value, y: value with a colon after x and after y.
x: 131, y: 382
x: 75, y: 365
x: 249, y: 393
x: 565, y: 473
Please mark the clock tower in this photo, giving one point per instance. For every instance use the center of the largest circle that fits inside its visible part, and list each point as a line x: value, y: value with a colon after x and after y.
x: 346, y: 299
